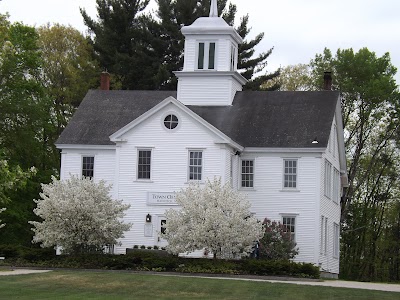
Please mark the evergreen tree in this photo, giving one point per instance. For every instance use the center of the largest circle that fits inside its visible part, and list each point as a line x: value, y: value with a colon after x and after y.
x: 122, y: 42
x: 143, y: 51
x: 173, y: 14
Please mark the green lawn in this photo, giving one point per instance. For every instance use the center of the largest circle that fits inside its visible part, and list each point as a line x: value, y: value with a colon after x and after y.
x: 114, y: 285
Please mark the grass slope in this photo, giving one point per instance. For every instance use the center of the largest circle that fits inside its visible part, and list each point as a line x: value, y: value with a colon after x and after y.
x: 113, y: 285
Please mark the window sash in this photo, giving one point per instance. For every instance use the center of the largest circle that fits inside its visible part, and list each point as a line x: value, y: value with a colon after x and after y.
x: 328, y: 180
x: 322, y: 235
x: 290, y: 224
x: 290, y: 173
x: 195, y: 165
x: 88, y: 166
x: 144, y: 164
x: 336, y: 186
x: 200, y: 61
x: 336, y: 232
x: 326, y: 236
x: 206, y: 55
x: 211, y: 56
x: 247, y: 173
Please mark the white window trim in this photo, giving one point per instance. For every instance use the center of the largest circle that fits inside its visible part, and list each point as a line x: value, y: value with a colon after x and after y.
x: 167, y: 114
x: 234, y: 57
x: 326, y: 236
x: 328, y: 179
x: 94, y: 164
x: 206, y: 55
x: 336, y: 240
x: 240, y: 173
x: 321, y: 245
x: 294, y: 216
x: 202, y: 164
x: 137, y: 164
x: 336, y: 186
x: 292, y: 189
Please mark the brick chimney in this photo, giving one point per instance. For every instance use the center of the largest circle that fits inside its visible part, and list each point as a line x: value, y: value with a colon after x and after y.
x: 328, y: 81
x: 105, y: 81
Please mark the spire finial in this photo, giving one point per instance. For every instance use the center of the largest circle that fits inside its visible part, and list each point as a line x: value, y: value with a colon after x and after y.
x: 213, y: 9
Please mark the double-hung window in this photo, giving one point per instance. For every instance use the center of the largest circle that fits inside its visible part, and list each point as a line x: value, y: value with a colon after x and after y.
x: 247, y: 173
x: 144, y: 164
x: 195, y: 165
x: 335, y: 240
x: 290, y: 223
x: 290, y: 173
x: 324, y: 235
x: 328, y: 180
x: 88, y: 166
x: 206, y: 55
x: 336, y: 186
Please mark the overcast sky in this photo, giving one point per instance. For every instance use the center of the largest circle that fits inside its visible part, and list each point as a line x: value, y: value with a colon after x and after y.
x: 297, y: 29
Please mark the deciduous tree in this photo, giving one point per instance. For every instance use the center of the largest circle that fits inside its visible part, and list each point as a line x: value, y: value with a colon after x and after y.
x: 214, y: 217
x: 370, y: 107
x: 78, y: 215
x: 68, y: 69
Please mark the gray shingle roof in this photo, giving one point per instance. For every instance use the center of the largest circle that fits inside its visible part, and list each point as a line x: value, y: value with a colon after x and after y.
x: 255, y: 119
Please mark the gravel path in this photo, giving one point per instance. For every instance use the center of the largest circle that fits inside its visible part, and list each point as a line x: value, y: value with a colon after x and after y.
x: 22, y: 272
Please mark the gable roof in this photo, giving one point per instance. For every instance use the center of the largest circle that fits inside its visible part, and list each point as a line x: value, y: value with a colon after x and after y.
x: 255, y: 119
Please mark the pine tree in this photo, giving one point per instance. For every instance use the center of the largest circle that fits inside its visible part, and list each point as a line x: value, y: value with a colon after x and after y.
x: 173, y: 14
x: 122, y: 42
x: 142, y: 51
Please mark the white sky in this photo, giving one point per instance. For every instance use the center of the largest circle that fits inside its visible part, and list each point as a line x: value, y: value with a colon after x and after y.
x: 297, y: 29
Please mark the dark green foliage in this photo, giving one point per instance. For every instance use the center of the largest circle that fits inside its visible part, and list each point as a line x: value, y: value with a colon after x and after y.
x: 276, y: 243
x: 124, y: 40
x: 26, y: 125
x: 29, y: 254
x: 156, y: 260
x: 175, y: 13
x: 143, y: 51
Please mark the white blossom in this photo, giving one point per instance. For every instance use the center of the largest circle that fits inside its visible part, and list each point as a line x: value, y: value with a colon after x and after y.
x: 1, y: 224
x: 213, y: 217
x: 78, y: 214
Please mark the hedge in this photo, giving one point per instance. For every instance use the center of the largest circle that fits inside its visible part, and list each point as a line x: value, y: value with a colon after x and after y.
x: 149, y: 260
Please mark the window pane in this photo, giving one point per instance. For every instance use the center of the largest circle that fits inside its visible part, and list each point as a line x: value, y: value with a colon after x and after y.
x: 195, y: 165
x: 290, y: 174
x: 247, y: 173
x: 289, y: 223
x: 144, y: 164
x: 87, y: 166
x: 211, y: 56
x: 200, y: 62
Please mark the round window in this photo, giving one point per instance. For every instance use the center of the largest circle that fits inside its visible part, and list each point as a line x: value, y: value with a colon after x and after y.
x: 171, y: 121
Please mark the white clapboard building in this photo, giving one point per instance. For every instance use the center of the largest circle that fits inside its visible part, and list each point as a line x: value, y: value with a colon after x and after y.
x: 284, y: 150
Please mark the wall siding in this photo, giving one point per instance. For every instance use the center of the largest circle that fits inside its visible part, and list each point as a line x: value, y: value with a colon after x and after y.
x: 269, y: 199
x: 205, y: 91
x: 329, y: 208
x: 169, y: 168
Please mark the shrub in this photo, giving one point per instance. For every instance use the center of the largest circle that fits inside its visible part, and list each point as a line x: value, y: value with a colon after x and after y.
x: 276, y: 244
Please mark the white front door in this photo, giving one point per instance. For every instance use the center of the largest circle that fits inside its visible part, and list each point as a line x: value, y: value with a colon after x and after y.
x: 161, y: 221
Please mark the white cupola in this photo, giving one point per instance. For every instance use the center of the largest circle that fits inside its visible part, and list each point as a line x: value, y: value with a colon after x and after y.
x: 209, y: 75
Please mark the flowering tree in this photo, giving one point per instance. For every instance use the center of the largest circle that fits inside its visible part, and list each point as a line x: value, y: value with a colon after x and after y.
x: 276, y: 242
x: 1, y: 224
x: 214, y: 217
x: 78, y: 215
